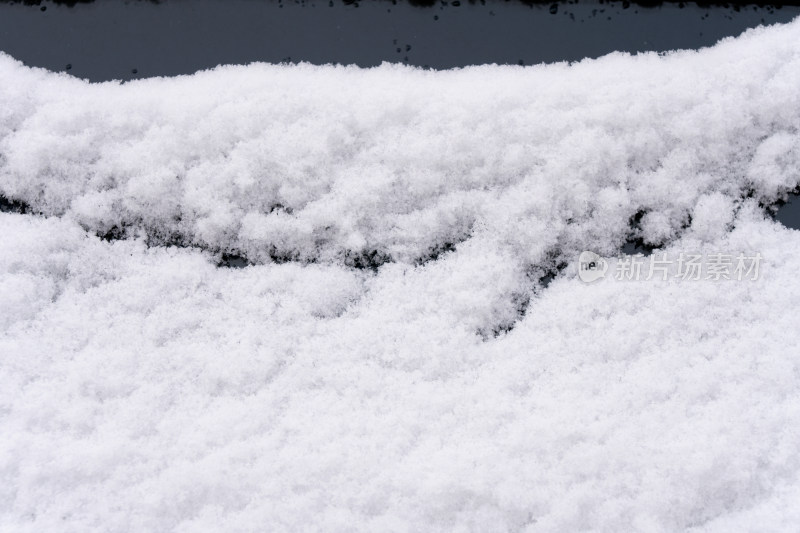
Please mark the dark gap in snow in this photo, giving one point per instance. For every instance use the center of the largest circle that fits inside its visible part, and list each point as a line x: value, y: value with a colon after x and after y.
x: 366, y: 259
x: 545, y: 280
x: 440, y: 249
x: 520, y: 301
x: 360, y: 260
x: 13, y: 206
x: 153, y: 237
x: 116, y: 233
x: 281, y: 256
x: 542, y: 275
x: 636, y: 219
x: 635, y: 244
x: 787, y: 211
x: 232, y: 258
x: 280, y: 208
x: 159, y: 237
x: 233, y: 261
x: 435, y: 252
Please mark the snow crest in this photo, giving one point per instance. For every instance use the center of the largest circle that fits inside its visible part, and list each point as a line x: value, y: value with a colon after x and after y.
x: 337, y: 164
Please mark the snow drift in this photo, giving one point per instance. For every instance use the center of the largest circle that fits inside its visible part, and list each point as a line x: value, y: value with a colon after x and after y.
x: 390, y: 361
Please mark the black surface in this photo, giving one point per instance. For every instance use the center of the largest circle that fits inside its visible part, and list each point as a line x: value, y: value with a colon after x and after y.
x: 107, y: 40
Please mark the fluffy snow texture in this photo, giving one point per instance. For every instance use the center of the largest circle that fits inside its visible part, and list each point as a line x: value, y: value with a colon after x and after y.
x: 144, y: 389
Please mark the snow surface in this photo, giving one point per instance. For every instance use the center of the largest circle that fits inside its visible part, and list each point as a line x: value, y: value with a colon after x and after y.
x: 390, y: 361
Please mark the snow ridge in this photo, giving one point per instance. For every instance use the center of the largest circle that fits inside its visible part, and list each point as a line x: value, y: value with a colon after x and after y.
x: 354, y: 166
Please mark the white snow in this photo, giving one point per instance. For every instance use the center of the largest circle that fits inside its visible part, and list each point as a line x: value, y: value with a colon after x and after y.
x: 142, y: 388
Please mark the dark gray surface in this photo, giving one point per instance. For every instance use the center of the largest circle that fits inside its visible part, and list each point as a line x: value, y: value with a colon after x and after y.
x: 789, y: 213
x: 122, y: 40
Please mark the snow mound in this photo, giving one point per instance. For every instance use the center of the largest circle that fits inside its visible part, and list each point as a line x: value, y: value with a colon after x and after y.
x: 390, y: 362
x: 341, y: 164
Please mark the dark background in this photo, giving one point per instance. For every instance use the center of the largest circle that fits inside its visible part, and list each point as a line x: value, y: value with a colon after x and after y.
x: 117, y: 39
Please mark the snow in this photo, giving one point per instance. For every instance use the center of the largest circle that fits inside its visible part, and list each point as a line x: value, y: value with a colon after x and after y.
x: 390, y: 361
